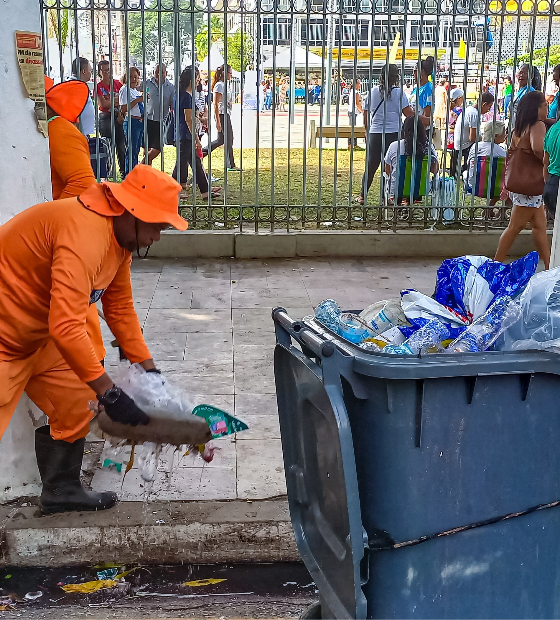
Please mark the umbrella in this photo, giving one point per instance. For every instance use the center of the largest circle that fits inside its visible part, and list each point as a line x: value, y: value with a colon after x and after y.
x: 300, y: 58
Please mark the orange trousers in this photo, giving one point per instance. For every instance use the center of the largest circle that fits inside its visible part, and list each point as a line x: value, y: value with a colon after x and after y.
x: 50, y: 383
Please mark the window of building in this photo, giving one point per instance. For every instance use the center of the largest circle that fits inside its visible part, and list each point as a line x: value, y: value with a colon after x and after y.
x: 425, y: 34
x: 314, y: 33
x: 346, y: 32
x: 384, y: 32
x: 278, y: 30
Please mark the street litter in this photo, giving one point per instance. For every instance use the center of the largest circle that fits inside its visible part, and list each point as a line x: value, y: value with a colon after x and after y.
x: 478, y: 305
x: 175, y: 420
x: 90, y: 586
x: 203, y: 582
x: 108, y: 573
x: 31, y: 596
x: 229, y: 594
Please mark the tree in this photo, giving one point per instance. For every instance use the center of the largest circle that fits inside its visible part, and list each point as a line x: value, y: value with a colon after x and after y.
x: 240, y: 50
x: 538, y: 58
x: 217, y: 33
x: 189, y: 22
x: 60, y: 34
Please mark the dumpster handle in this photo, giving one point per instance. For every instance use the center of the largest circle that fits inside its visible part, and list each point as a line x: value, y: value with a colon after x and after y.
x: 302, y: 334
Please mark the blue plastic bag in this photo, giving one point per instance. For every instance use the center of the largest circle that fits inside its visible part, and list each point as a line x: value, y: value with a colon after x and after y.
x: 470, y: 284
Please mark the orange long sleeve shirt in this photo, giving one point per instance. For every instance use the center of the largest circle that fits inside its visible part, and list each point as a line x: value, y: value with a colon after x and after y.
x: 57, y: 258
x: 71, y: 171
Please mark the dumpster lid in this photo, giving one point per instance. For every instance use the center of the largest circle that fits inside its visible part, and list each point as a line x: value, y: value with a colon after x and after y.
x: 321, y: 480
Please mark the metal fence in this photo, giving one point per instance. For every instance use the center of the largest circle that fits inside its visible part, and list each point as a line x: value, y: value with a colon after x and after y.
x: 302, y: 72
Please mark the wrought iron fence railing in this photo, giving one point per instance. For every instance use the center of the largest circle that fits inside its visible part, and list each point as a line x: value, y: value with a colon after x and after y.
x: 306, y: 75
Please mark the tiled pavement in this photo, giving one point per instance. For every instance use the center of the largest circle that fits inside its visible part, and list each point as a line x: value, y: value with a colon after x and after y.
x: 208, y: 324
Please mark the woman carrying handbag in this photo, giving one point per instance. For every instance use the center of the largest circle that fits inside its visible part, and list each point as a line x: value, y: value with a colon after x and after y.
x: 525, y: 176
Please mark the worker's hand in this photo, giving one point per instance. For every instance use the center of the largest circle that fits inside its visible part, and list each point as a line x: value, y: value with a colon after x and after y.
x: 121, y: 408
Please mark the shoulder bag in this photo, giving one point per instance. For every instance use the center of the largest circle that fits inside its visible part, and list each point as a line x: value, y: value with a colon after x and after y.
x: 524, y: 172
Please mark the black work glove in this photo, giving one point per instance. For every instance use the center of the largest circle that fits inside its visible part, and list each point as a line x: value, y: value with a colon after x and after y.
x: 121, y: 408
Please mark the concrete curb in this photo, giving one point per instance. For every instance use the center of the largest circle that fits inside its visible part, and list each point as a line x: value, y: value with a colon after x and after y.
x: 408, y: 243
x: 150, y: 533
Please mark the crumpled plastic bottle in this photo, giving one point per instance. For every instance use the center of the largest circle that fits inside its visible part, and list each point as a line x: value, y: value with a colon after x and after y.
x: 353, y: 328
x: 429, y: 335
x: 328, y: 313
x: 481, y: 334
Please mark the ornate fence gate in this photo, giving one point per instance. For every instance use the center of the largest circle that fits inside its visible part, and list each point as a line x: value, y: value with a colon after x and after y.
x: 294, y: 152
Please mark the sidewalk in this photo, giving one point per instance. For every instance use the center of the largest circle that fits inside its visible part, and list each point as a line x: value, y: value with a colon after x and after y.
x: 208, y: 324
x: 209, y: 327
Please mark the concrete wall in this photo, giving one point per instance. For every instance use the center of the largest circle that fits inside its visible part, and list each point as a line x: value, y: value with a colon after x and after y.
x: 421, y: 243
x: 24, y: 154
x: 24, y: 181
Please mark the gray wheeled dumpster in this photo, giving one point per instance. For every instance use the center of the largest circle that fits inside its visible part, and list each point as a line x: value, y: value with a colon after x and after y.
x: 421, y: 487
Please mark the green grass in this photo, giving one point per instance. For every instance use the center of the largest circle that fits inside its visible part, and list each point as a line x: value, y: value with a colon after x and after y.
x: 285, y: 191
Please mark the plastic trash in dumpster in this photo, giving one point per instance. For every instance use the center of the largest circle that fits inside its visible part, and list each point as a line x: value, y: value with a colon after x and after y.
x: 471, y: 308
x: 538, y: 326
x: 422, y: 340
x: 421, y: 487
x: 470, y: 284
x: 481, y: 334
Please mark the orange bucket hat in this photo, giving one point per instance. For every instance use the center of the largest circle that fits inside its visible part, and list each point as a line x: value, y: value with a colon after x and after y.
x: 150, y: 195
x: 67, y: 99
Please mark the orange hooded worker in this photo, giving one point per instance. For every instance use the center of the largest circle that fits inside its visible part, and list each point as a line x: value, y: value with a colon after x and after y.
x: 56, y: 259
x: 71, y: 170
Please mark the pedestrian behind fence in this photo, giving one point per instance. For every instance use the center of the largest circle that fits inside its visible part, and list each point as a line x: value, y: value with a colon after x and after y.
x: 159, y: 108
x: 414, y: 144
x: 133, y: 127
x: 493, y: 136
x: 386, y: 104
x: 421, y: 98
x: 187, y: 113
x: 223, y: 105
x: 354, y: 109
x: 82, y: 70
x: 111, y: 118
x: 466, y: 131
x: 553, y: 106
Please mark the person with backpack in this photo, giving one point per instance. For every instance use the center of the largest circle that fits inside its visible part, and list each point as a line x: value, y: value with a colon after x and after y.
x: 383, y: 110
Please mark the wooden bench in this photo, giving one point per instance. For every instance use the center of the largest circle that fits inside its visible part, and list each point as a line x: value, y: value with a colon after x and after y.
x: 332, y: 131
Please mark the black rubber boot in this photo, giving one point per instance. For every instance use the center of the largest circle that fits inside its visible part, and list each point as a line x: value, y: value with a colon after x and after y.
x: 60, y: 464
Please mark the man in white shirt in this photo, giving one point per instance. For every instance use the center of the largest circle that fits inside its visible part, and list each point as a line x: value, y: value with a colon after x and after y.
x: 493, y: 135
x: 354, y: 108
x: 466, y: 128
x: 81, y: 70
